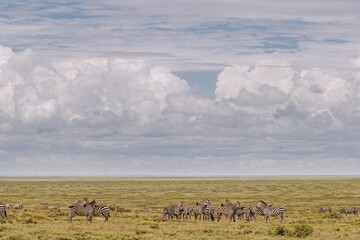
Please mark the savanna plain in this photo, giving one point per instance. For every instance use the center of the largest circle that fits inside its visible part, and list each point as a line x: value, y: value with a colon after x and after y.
x: 143, y: 199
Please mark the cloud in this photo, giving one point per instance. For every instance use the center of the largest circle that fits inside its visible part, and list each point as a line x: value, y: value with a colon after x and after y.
x: 134, y: 114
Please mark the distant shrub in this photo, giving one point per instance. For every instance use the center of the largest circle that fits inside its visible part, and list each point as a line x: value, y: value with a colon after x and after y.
x: 154, y: 226
x: 15, y: 237
x: 29, y: 220
x: 124, y: 210
x: 302, y: 231
x: 141, y: 231
x: 280, y: 231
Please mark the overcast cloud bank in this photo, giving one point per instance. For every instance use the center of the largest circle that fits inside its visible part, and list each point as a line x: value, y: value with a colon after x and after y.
x: 117, y: 116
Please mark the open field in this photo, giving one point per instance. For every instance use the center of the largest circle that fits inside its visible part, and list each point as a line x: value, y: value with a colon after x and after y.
x: 137, y: 195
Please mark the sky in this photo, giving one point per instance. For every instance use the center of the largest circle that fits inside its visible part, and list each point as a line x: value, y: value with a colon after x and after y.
x: 185, y: 88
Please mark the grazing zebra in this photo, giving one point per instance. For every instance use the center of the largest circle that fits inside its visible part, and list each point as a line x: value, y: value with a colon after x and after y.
x: 271, y: 210
x: 325, y: 209
x: 228, y: 209
x: 243, y: 210
x: 8, y: 206
x: 347, y: 210
x: 169, y: 211
x: 99, y: 209
x: 19, y: 206
x: 255, y: 211
x: 112, y: 207
x: 81, y: 210
x: 2, y: 210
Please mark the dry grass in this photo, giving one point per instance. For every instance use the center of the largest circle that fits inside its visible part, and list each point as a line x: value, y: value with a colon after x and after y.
x: 138, y: 195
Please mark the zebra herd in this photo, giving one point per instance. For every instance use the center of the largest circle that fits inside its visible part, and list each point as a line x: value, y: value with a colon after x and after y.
x: 205, y: 208
x: 202, y: 208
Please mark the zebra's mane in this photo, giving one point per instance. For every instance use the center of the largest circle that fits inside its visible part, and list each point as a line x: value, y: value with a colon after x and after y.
x: 263, y: 202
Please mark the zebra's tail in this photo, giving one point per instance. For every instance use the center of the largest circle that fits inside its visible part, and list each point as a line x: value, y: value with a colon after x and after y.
x: 212, y: 217
x: 5, y: 212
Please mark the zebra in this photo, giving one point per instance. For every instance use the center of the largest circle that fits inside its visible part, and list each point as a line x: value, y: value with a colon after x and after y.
x: 228, y: 209
x: 99, y: 209
x: 325, y: 209
x: 204, y: 207
x: 112, y: 207
x: 271, y: 210
x: 8, y: 206
x: 81, y: 210
x: 255, y: 211
x: 2, y: 210
x: 227, y: 203
x: 347, y: 210
x: 19, y: 206
x: 243, y: 210
x: 209, y: 210
x: 187, y: 211
x: 198, y: 210
x: 169, y: 211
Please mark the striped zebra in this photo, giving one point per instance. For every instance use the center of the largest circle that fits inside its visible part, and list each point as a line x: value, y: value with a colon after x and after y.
x: 325, y: 209
x: 209, y: 211
x: 169, y: 211
x: 244, y: 210
x: 2, y: 210
x: 81, y: 210
x: 227, y: 203
x: 255, y: 211
x: 205, y: 208
x: 228, y: 209
x: 100, y: 209
x: 19, y: 206
x: 8, y: 206
x: 271, y: 210
x: 187, y: 211
x: 112, y: 207
x: 198, y: 210
x: 349, y: 210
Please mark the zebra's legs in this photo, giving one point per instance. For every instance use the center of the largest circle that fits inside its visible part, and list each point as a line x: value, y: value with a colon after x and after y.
x: 283, y: 218
x: 70, y: 217
x: 106, y: 217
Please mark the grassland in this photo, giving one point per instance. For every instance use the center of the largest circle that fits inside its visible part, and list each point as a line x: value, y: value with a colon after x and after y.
x: 138, y: 195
